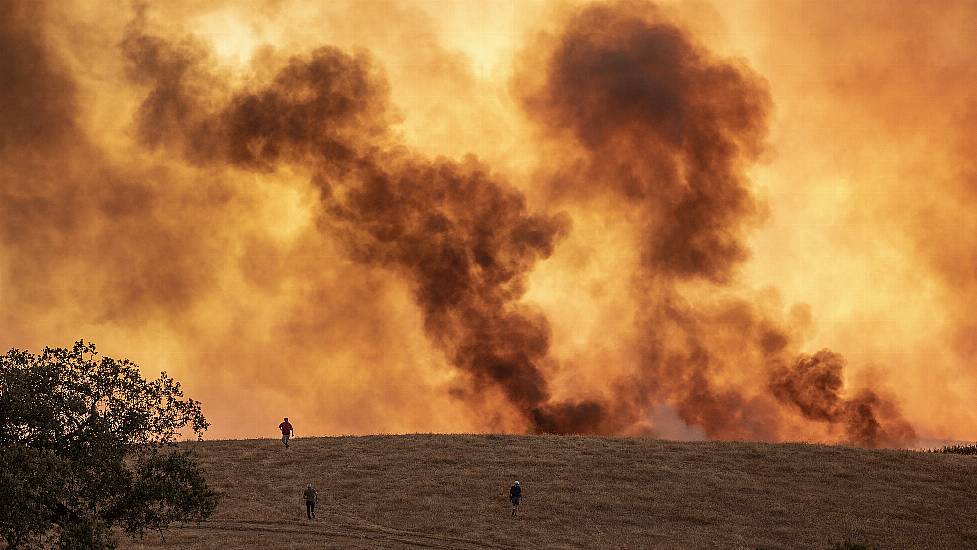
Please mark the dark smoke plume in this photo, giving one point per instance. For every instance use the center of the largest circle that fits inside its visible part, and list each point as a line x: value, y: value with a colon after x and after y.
x: 327, y: 107
x: 813, y: 384
x: 655, y: 122
x: 466, y: 242
x: 661, y: 124
x: 463, y: 238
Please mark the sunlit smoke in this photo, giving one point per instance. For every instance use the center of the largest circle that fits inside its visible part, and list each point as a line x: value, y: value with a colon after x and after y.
x: 669, y: 130
x: 571, y: 240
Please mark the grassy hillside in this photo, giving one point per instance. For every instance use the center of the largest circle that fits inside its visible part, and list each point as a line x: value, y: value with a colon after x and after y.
x: 450, y: 491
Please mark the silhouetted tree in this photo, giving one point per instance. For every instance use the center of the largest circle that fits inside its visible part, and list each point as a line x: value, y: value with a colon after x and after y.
x: 88, y: 445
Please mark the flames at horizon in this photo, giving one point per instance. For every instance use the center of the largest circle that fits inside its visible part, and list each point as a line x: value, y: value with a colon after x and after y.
x: 685, y: 221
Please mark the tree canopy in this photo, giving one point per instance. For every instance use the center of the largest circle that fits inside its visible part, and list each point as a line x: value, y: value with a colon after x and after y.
x: 88, y: 447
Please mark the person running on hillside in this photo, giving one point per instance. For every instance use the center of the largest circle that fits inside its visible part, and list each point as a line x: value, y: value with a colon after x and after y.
x: 287, y: 431
x: 310, y: 498
x: 515, y: 494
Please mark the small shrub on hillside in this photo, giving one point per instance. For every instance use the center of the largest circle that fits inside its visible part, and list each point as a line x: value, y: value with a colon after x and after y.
x: 959, y: 449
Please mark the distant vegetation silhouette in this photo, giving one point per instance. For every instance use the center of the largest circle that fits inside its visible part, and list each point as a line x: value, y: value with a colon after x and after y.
x: 959, y: 449
x: 87, y: 449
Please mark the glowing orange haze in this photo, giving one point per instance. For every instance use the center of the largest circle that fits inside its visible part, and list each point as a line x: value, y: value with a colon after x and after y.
x: 691, y: 220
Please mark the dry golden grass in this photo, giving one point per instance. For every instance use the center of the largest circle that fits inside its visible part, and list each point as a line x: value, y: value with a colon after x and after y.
x: 450, y: 491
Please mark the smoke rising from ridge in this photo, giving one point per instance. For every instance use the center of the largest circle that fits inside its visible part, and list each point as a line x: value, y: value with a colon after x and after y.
x: 664, y: 126
x: 462, y: 238
x: 278, y: 228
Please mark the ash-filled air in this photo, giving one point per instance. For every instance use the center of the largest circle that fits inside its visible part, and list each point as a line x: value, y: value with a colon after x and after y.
x: 615, y: 218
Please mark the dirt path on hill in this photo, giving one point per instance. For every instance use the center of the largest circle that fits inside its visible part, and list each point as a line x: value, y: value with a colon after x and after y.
x: 341, y: 529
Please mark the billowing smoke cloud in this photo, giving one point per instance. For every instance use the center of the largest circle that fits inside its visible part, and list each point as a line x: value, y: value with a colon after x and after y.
x: 813, y: 384
x: 182, y: 266
x: 463, y: 238
x: 466, y: 242
x: 661, y: 124
x: 328, y: 107
x: 273, y: 232
x: 669, y: 130
x: 860, y: 79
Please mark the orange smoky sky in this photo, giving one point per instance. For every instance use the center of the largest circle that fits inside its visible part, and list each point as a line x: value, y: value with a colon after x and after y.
x: 746, y: 220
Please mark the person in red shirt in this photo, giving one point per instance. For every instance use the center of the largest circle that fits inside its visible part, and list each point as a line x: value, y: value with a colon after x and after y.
x: 287, y: 432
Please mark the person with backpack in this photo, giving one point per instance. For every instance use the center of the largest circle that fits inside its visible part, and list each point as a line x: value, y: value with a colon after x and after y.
x: 310, y: 496
x: 515, y: 494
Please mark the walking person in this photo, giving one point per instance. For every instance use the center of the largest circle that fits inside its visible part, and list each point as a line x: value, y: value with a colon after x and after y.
x: 515, y: 494
x: 310, y: 499
x: 287, y: 431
